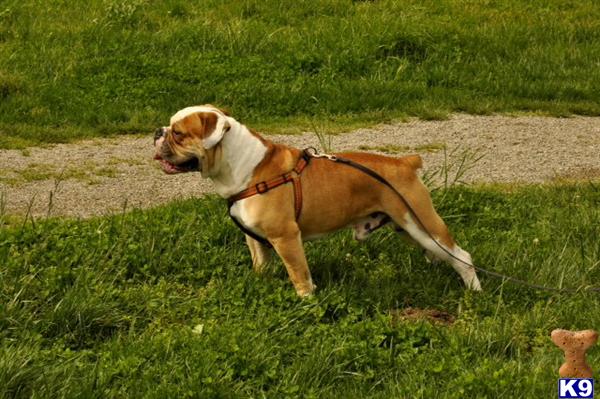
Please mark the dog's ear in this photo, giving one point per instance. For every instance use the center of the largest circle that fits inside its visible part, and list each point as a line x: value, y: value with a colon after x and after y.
x: 225, y: 111
x: 213, y: 128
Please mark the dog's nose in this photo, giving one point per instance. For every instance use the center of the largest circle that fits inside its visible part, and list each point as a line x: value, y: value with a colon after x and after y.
x: 158, y: 133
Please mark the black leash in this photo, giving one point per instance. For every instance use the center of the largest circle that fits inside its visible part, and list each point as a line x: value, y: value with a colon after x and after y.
x: 504, y: 277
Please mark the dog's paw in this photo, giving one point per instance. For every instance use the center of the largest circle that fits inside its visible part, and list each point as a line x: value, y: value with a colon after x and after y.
x: 475, y: 285
x: 306, y: 292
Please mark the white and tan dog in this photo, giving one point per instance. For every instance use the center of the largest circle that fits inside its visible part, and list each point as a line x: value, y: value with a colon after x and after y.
x: 207, y: 139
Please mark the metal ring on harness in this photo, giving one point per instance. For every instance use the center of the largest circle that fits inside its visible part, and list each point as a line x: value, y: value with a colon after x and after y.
x: 314, y: 153
x: 262, y: 187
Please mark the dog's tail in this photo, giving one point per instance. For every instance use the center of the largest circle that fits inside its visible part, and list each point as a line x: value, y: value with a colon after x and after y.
x: 414, y: 161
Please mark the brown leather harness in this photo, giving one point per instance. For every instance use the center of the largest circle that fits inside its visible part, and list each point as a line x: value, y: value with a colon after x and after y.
x: 262, y: 187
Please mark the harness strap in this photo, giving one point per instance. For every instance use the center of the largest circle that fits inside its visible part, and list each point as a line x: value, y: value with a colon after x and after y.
x: 265, y: 186
x: 247, y: 231
x: 297, y: 196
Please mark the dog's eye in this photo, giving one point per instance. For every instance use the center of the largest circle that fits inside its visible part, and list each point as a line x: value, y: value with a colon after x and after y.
x: 177, y: 135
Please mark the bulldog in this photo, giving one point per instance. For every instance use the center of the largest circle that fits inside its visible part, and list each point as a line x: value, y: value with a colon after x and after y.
x: 332, y: 196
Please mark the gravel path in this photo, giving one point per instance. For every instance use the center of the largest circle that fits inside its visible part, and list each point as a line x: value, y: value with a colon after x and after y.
x: 102, y: 176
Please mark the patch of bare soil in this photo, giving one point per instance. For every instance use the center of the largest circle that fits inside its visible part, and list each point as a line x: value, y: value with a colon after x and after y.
x: 103, y: 176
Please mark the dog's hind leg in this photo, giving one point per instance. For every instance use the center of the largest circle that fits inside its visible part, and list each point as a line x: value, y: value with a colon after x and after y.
x: 436, y: 249
x: 431, y: 233
x: 260, y: 254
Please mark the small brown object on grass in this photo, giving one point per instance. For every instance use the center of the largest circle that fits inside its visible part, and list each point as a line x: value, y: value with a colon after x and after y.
x: 574, y: 344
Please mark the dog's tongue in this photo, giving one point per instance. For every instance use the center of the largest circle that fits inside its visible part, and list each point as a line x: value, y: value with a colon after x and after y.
x: 168, y: 167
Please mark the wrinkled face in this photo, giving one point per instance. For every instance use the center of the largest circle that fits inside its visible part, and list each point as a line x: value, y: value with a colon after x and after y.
x: 191, y: 142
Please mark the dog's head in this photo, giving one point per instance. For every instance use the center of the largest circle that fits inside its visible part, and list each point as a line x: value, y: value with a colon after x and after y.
x: 191, y: 142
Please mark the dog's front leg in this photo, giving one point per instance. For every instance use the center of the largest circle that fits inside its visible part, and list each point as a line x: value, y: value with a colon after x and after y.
x: 260, y: 254
x: 291, y: 251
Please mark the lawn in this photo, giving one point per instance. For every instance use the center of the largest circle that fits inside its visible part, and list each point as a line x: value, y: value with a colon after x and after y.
x: 163, y: 303
x: 77, y: 69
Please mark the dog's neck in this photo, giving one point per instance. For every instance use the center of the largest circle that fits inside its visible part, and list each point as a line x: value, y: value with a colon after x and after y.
x: 241, y: 152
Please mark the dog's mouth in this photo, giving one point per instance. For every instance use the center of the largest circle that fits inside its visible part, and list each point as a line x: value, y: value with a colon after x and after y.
x: 191, y: 165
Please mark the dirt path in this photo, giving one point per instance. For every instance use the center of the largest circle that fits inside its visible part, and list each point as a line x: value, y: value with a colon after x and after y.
x: 102, y: 176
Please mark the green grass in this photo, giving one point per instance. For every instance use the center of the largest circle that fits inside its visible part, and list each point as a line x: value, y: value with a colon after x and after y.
x: 90, y: 173
x: 92, y: 68
x: 163, y: 303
